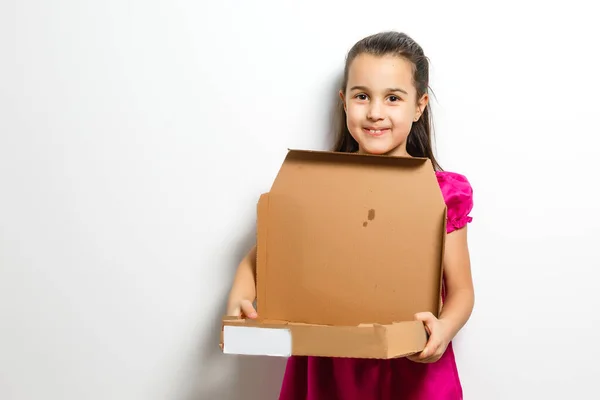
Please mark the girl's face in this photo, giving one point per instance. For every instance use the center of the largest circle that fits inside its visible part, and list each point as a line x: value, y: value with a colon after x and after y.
x: 380, y: 103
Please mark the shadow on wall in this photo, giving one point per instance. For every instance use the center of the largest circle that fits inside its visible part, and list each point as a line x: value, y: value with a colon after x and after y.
x: 227, y: 377
x: 248, y: 378
x: 336, y: 111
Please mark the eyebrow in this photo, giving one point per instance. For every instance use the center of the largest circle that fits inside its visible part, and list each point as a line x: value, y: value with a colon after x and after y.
x: 388, y: 89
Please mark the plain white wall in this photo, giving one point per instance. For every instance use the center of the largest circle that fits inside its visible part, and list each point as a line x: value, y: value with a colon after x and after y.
x: 136, y: 137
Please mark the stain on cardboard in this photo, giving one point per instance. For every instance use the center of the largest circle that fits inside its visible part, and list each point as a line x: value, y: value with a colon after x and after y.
x: 371, y: 215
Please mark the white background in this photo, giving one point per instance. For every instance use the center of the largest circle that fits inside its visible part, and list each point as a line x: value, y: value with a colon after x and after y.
x: 136, y: 137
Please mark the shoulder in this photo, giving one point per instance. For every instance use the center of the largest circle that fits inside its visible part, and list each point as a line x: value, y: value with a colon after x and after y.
x: 454, y: 184
x: 458, y: 195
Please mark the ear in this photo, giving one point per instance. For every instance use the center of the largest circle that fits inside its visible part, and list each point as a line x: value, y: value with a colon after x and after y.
x: 421, y: 105
x: 341, y: 94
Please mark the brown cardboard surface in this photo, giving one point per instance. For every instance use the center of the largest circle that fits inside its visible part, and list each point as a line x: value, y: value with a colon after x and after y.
x: 349, y: 248
x: 363, y: 341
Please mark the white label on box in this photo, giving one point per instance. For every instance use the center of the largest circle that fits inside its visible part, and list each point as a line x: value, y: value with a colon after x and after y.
x: 257, y: 341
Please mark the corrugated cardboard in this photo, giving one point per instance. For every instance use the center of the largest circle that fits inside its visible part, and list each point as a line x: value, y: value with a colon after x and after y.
x: 349, y: 248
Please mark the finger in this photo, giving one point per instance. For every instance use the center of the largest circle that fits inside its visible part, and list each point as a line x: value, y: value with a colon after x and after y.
x: 438, y: 349
x: 432, y: 346
x: 433, y: 358
x: 417, y: 358
x: 248, y: 309
x: 234, y: 312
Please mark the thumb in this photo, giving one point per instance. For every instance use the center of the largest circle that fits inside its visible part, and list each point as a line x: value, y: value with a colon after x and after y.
x: 432, y: 343
x: 248, y: 309
x: 428, y: 320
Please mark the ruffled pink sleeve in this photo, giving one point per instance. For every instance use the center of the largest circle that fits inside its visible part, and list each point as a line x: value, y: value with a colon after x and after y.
x: 458, y: 195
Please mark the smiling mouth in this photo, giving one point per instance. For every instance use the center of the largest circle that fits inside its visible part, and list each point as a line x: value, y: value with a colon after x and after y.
x: 376, y: 132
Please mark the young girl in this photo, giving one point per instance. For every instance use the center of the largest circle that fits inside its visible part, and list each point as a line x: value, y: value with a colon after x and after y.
x: 385, y: 110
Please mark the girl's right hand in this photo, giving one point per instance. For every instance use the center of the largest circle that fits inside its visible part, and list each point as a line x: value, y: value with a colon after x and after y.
x: 241, y: 309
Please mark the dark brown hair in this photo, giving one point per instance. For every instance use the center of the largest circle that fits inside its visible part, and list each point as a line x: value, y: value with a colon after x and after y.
x: 419, y: 140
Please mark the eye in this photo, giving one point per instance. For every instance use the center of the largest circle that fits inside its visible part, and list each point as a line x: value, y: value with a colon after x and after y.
x: 394, y: 98
x: 361, y: 96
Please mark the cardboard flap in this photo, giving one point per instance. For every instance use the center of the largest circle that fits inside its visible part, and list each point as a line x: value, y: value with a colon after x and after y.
x: 345, y: 239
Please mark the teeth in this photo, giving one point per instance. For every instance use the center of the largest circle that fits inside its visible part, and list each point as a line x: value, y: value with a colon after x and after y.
x: 375, y: 131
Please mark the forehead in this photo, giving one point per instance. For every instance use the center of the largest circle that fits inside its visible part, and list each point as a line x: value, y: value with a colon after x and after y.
x: 380, y: 72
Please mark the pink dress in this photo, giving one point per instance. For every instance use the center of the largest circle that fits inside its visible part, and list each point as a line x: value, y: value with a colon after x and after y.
x: 321, y: 378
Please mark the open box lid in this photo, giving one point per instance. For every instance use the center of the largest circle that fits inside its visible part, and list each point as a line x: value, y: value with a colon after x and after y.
x: 349, y: 239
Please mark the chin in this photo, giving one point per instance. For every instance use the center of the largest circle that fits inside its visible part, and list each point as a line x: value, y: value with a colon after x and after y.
x: 376, y: 149
x: 377, y: 152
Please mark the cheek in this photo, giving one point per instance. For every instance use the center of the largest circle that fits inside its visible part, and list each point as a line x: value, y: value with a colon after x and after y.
x: 402, y: 117
x: 354, y: 114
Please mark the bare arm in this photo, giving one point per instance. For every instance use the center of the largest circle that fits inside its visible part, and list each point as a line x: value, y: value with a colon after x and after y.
x: 459, y: 301
x: 243, y: 289
x: 460, y: 296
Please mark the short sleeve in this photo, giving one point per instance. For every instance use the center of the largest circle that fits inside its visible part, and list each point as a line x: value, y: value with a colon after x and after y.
x: 458, y: 195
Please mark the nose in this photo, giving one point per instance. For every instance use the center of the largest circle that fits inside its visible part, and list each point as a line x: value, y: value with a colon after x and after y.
x: 375, y: 111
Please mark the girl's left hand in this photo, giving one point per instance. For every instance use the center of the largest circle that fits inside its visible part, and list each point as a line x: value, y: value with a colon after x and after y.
x: 438, y: 339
